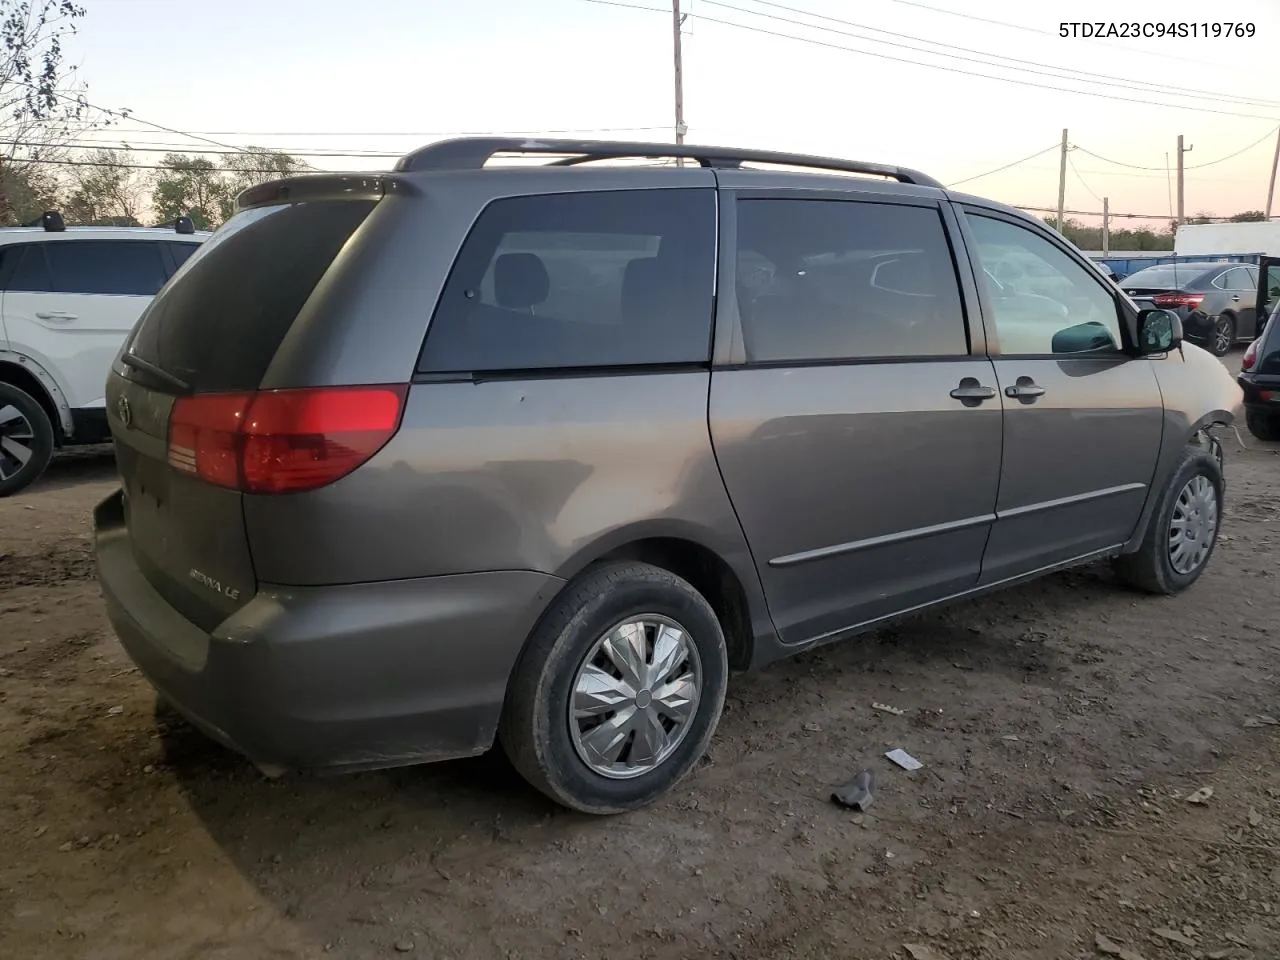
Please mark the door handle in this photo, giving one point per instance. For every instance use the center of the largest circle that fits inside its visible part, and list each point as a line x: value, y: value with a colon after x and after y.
x: 971, y: 392
x: 1026, y: 390
x: 57, y: 316
x: 1236, y: 298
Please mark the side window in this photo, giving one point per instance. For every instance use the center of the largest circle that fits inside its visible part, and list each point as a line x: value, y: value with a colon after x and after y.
x: 113, y: 267
x: 846, y: 279
x: 31, y: 275
x: 1044, y: 302
x: 612, y: 278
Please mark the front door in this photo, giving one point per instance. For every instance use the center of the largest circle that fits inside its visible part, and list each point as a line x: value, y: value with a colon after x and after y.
x: 1082, y: 419
x: 71, y: 303
x: 860, y: 437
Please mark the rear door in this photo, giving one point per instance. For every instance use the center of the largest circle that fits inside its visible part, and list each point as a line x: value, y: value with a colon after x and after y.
x: 858, y: 432
x: 1240, y: 286
x: 71, y: 303
x: 1082, y: 419
x: 213, y: 330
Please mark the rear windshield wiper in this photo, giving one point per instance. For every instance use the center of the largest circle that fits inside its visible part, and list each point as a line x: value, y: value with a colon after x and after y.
x: 144, y: 366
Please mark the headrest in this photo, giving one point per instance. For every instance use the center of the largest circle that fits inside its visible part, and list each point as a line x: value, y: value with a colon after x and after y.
x: 520, y: 281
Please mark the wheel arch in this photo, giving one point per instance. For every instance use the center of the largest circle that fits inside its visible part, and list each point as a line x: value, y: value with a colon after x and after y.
x: 21, y: 371
x: 725, y: 577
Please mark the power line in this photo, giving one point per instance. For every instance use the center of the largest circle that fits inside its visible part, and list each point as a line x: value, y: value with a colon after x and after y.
x: 1071, y: 163
x: 1195, y: 166
x: 402, y: 133
x: 935, y: 66
x: 126, y: 166
x: 1100, y: 79
x: 1015, y: 163
x: 176, y: 148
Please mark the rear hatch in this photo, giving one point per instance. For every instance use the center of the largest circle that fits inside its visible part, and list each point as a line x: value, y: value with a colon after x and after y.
x: 192, y: 430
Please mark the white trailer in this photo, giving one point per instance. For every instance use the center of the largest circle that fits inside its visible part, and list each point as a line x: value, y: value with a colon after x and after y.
x: 1212, y: 238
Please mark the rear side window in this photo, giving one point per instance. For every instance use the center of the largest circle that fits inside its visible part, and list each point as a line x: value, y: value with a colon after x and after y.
x: 836, y: 280
x: 603, y: 279
x: 181, y: 251
x: 103, y: 267
x: 219, y: 323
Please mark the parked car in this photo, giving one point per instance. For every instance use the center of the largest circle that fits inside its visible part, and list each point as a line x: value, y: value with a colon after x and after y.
x: 415, y: 461
x: 1260, y: 380
x: 70, y: 296
x: 1216, y: 302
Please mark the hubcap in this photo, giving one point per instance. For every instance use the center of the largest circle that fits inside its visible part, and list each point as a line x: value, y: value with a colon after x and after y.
x: 1194, y: 525
x: 635, y: 696
x: 1222, y: 335
x: 17, y: 438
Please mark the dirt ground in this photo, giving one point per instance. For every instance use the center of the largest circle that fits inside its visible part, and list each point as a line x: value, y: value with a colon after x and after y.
x: 1062, y: 727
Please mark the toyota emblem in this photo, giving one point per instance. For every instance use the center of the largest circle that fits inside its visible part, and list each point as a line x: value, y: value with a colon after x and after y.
x: 124, y: 411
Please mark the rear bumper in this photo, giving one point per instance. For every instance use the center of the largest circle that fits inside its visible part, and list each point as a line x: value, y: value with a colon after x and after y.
x: 1260, y: 391
x: 351, y: 676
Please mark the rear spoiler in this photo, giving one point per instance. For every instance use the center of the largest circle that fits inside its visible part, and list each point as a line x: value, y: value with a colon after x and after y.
x: 314, y: 186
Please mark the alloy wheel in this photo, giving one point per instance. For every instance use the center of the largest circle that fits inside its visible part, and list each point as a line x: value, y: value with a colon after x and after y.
x: 17, y: 441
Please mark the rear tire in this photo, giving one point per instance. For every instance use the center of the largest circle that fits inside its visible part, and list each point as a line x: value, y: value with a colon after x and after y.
x: 574, y: 678
x: 26, y: 440
x: 1263, y: 424
x: 1222, y: 335
x: 1183, y: 530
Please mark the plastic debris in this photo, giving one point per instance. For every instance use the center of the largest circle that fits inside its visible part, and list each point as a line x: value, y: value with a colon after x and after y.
x: 885, y: 708
x: 903, y: 759
x: 858, y: 793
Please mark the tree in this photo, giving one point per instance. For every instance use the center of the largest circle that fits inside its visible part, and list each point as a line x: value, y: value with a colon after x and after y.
x: 253, y: 166
x: 197, y: 187
x: 105, y: 190
x: 42, y: 105
x: 189, y: 186
x: 1249, y: 216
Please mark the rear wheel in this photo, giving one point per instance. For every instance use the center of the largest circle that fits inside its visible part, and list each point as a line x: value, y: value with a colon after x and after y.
x: 1263, y: 424
x: 618, y: 691
x: 1222, y: 335
x: 1183, y: 530
x: 26, y: 439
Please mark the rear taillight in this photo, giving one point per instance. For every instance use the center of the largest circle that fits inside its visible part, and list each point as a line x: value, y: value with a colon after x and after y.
x: 1192, y: 300
x: 1250, y: 356
x: 282, y: 441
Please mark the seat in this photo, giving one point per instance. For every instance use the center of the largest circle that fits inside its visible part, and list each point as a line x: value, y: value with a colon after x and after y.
x: 520, y: 281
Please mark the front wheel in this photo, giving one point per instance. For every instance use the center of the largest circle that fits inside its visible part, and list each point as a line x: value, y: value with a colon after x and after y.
x: 1222, y: 336
x: 1183, y: 530
x: 26, y: 440
x: 1263, y: 424
x: 618, y: 691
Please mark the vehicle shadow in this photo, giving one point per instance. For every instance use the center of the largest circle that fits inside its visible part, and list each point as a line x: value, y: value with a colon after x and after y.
x: 71, y: 468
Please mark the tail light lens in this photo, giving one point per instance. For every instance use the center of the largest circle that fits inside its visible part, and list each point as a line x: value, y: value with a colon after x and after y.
x: 282, y: 441
x: 1250, y: 356
x: 1166, y: 300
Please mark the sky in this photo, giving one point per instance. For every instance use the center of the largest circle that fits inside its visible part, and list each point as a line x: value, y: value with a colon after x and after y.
x: 893, y: 81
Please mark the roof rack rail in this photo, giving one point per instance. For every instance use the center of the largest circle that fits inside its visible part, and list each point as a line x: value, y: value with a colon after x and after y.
x: 472, y: 153
x: 51, y: 220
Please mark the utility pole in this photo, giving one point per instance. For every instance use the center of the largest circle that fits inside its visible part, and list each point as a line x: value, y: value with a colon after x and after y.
x: 677, y: 21
x: 1106, y: 226
x: 1181, y: 191
x: 1271, y: 187
x: 1062, y: 182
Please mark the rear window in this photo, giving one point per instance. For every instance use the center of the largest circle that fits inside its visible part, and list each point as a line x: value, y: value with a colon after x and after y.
x: 218, y: 324
x: 595, y: 279
x: 1165, y: 275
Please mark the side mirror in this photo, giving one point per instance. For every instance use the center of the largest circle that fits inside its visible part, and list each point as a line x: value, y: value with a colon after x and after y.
x: 1159, y: 331
x: 1082, y: 338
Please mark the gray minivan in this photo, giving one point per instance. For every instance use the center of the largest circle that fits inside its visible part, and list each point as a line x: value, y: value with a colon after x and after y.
x: 466, y: 451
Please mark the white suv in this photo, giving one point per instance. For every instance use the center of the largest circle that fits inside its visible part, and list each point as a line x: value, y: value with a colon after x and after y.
x: 68, y: 299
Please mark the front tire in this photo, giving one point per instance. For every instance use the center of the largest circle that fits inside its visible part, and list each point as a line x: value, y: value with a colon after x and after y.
x: 618, y: 691
x: 1183, y: 530
x: 1222, y: 335
x: 1263, y: 424
x: 26, y: 440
